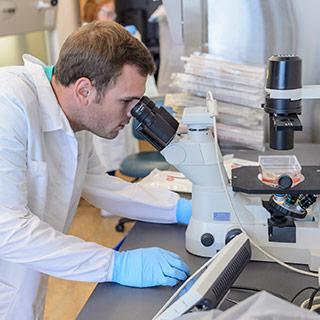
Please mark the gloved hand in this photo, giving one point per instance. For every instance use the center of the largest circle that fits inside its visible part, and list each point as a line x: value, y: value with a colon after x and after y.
x: 148, y: 267
x: 184, y: 210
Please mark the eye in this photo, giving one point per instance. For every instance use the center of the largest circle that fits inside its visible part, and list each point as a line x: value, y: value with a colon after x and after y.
x: 128, y: 104
x: 125, y: 103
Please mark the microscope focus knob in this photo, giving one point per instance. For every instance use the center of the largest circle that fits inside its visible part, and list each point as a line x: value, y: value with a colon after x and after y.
x: 231, y: 234
x: 207, y: 239
x: 285, y: 182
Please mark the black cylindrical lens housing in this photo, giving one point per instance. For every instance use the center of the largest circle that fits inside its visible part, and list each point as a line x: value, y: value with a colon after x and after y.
x: 282, y: 106
x: 141, y: 112
x: 156, y: 124
x: 281, y: 139
x: 284, y: 72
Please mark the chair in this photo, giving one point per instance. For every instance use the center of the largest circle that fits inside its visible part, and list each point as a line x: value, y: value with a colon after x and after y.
x: 139, y: 165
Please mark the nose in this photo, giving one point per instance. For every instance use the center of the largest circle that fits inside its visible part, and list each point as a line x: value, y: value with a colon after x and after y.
x: 129, y: 116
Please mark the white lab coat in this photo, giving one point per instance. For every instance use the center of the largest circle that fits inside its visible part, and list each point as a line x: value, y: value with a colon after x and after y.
x: 44, y: 168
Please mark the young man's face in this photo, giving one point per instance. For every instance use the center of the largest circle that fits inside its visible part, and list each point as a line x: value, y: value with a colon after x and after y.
x: 112, y: 113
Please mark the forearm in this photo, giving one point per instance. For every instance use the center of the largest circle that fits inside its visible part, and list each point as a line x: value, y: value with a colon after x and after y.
x: 131, y: 200
x: 27, y: 240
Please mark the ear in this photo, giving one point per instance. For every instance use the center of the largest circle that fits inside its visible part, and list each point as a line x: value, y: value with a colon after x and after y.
x: 83, y: 90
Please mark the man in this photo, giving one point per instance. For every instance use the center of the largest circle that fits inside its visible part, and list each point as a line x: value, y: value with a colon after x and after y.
x: 47, y: 162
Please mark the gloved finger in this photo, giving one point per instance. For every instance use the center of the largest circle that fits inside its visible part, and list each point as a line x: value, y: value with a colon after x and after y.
x: 169, y: 271
x: 175, y: 261
x: 167, y: 281
x: 176, y: 274
x: 179, y: 264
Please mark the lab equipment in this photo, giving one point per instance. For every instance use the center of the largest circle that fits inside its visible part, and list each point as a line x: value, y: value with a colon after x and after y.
x: 286, y: 227
x: 283, y: 100
x: 284, y: 73
x: 22, y: 16
x: 205, y: 291
x: 148, y: 267
x: 156, y: 124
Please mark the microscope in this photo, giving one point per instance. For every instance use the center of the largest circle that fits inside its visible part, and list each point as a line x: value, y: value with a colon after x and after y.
x: 283, y: 224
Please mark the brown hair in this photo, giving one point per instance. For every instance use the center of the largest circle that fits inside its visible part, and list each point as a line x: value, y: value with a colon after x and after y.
x: 98, y: 51
x: 91, y: 9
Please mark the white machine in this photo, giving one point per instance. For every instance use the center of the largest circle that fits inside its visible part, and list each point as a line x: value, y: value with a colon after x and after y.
x: 20, y: 16
x: 215, y: 221
x: 284, y: 225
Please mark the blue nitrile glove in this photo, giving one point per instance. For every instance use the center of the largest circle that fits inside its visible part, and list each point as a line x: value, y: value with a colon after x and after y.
x: 148, y: 267
x: 131, y: 28
x: 184, y: 210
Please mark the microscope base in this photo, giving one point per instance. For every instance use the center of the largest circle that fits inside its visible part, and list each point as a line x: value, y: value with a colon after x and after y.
x: 304, y: 251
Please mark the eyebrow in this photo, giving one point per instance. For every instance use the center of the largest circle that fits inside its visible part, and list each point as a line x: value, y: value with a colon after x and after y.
x: 130, y: 98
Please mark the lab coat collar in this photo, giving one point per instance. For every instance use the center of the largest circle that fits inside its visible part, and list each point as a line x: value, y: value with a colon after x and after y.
x: 53, y: 118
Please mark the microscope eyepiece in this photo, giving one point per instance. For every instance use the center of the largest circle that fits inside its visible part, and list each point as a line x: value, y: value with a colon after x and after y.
x: 156, y: 125
x: 142, y: 112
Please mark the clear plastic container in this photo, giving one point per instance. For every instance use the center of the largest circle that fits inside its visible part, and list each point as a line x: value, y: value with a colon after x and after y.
x: 273, y: 167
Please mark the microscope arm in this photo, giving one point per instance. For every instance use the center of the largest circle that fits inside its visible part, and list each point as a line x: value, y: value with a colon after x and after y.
x: 195, y: 155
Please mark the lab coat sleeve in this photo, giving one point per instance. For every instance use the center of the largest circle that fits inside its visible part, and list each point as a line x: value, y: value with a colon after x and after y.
x: 27, y: 240
x: 24, y: 238
x: 131, y: 200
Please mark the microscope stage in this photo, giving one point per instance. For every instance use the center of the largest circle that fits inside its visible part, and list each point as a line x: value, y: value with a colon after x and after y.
x: 245, y: 179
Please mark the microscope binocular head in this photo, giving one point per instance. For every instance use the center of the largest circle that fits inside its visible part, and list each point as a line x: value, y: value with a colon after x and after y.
x: 156, y: 125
